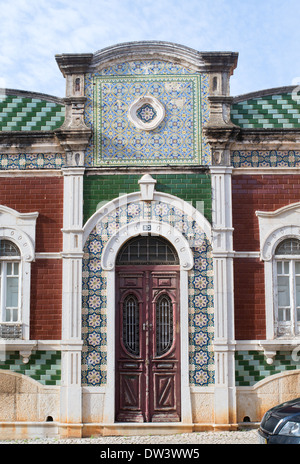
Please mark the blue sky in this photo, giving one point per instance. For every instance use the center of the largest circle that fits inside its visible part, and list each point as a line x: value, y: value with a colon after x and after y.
x: 266, y: 33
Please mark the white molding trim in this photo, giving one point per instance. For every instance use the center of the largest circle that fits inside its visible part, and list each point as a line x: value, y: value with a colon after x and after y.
x: 276, y: 225
x: 236, y: 254
x: 21, y: 239
x: 50, y: 255
x: 71, y: 344
x: 31, y: 173
x: 279, y: 344
x: 280, y: 211
x: 155, y: 104
x: 223, y: 254
x: 20, y: 229
x: 143, y: 227
x: 112, y: 205
x: 259, y: 171
x: 246, y: 254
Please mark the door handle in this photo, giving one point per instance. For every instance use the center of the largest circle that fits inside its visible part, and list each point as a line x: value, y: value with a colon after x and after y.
x: 147, y: 326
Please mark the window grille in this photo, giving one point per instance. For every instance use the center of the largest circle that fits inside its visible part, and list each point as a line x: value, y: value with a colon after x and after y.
x: 288, y: 247
x: 147, y: 250
x: 8, y: 248
x: 131, y: 325
x: 164, y: 325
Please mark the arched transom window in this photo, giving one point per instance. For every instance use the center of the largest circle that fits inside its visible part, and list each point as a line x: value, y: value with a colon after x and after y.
x: 147, y: 250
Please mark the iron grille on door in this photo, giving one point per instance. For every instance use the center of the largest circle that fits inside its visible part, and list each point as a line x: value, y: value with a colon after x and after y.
x: 131, y: 325
x: 164, y: 325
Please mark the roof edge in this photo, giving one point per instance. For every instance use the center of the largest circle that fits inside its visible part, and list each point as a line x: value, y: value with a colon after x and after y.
x: 263, y: 93
x: 154, y: 49
x: 28, y: 94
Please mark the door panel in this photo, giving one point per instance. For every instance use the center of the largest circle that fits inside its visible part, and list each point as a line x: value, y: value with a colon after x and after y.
x: 165, y: 348
x: 147, y: 344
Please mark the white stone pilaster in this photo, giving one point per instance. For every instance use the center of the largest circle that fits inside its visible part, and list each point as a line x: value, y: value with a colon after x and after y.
x: 224, y: 345
x: 71, y: 403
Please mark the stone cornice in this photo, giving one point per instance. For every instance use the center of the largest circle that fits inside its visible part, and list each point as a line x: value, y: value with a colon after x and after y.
x: 185, y: 56
x: 29, y: 142
x: 70, y: 63
x: 244, y: 139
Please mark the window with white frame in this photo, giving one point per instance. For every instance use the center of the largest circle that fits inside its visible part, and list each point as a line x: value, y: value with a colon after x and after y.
x: 287, y: 288
x: 17, y: 252
x: 10, y: 271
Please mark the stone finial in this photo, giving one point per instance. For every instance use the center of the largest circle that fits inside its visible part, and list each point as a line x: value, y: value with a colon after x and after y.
x: 147, y: 184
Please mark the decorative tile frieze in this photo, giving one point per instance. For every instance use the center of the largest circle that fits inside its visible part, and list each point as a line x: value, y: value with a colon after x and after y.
x: 265, y: 158
x: 28, y: 161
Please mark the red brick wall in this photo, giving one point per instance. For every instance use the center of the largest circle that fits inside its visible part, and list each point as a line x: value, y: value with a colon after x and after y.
x: 45, y: 196
x: 41, y: 194
x: 258, y: 193
x: 250, y: 194
x: 46, y: 299
x: 249, y: 299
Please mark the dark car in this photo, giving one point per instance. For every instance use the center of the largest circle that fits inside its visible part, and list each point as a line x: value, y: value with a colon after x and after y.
x: 281, y: 424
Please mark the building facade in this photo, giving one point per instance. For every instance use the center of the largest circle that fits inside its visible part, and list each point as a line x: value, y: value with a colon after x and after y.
x: 150, y: 247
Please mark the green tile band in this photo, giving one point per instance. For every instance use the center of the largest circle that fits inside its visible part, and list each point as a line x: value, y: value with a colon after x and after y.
x: 43, y: 366
x: 267, y: 112
x: 251, y: 366
x: 29, y: 114
x: 192, y: 188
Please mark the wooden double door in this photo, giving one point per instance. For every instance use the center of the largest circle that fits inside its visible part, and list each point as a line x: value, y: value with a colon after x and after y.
x: 147, y: 344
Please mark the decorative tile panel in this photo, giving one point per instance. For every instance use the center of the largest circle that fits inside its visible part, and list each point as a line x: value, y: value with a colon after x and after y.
x: 201, y: 317
x: 94, y: 300
x: 43, y: 366
x: 177, y: 140
x: 94, y: 355
x: 265, y: 158
x: 251, y: 366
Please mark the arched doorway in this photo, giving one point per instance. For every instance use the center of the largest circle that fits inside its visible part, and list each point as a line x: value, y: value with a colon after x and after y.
x: 147, y: 362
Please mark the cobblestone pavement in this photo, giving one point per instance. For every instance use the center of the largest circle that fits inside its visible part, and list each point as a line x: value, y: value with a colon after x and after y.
x: 240, y: 437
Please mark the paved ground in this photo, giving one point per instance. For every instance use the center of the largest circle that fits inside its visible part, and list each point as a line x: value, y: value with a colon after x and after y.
x: 241, y: 437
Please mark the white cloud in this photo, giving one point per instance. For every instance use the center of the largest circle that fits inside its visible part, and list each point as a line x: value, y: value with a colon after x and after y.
x: 264, y: 32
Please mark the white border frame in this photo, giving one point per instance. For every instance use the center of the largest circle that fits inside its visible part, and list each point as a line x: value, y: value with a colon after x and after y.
x: 137, y: 104
x: 109, y: 255
x: 274, y: 227
x: 19, y: 228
